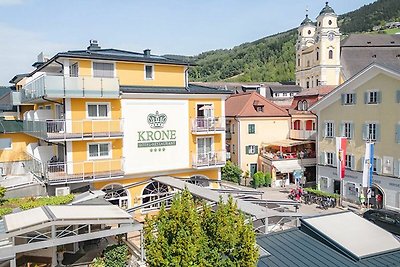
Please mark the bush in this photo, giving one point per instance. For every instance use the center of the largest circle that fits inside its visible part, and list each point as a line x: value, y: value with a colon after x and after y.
x: 116, y: 255
x: 258, y: 179
x: 4, y: 211
x: 268, y: 179
x: 231, y: 172
x: 45, y: 201
x: 321, y: 193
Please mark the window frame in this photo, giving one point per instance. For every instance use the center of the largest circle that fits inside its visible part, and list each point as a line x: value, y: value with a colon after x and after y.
x: 103, y: 62
x: 152, y: 72
x: 332, y: 132
x: 374, y: 95
x: 349, y: 160
x: 349, y: 99
x: 347, y: 125
x: 369, y: 124
x: 109, y: 156
x: 332, y: 163
x: 249, y: 128
x: 108, y: 104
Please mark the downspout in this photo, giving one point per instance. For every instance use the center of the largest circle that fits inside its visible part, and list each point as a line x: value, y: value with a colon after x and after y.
x: 187, y: 78
x: 62, y: 71
x: 238, y: 142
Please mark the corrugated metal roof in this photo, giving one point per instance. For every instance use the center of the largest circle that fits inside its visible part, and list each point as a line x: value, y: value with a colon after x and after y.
x: 293, y: 247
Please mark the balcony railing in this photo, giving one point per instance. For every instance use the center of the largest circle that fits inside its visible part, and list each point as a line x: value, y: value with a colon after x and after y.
x: 76, y: 172
x: 308, y: 159
x: 209, y: 159
x: 59, y: 87
x: 303, y: 134
x: 207, y: 125
x: 71, y: 129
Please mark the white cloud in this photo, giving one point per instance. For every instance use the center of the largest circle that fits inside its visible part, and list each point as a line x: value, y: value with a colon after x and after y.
x: 10, y: 2
x: 19, y: 49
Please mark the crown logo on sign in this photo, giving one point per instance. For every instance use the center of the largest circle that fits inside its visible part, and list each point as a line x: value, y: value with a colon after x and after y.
x: 156, y: 120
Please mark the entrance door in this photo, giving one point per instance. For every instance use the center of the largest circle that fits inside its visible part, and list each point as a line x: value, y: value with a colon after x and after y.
x: 253, y: 169
x: 204, y: 111
x: 336, y: 187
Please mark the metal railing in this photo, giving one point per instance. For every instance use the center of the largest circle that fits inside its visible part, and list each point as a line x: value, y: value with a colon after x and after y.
x: 209, y: 159
x: 73, y: 129
x: 51, y: 85
x: 72, y: 172
x: 209, y: 124
x: 303, y: 134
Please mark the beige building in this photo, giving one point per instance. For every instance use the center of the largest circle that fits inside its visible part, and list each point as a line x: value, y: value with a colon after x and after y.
x: 366, y: 106
x: 252, y: 120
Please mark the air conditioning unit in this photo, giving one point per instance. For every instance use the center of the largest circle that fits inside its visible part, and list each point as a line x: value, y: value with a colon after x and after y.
x: 62, y: 191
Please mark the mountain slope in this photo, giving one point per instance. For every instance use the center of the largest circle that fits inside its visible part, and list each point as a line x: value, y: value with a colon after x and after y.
x: 273, y: 58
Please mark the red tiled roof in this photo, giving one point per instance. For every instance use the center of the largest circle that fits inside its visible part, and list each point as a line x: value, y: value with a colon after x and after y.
x: 321, y: 90
x: 242, y: 105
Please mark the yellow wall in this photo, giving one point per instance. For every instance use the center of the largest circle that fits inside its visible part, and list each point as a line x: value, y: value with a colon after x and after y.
x: 19, y: 143
x: 85, y: 67
x: 386, y: 114
x: 164, y: 75
x: 83, y: 164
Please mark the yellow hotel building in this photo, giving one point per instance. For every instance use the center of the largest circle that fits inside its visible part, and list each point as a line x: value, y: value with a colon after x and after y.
x: 110, y: 119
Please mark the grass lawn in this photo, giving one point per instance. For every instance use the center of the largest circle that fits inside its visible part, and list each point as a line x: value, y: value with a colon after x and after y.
x: 392, y: 31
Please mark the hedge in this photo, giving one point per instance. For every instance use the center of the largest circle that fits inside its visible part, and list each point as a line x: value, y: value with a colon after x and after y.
x: 321, y: 193
x: 44, y: 201
x: 4, y: 211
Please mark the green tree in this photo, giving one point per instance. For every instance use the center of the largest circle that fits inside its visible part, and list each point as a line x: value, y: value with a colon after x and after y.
x: 2, y: 194
x: 231, y: 172
x: 268, y: 179
x: 116, y: 256
x: 184, y: 236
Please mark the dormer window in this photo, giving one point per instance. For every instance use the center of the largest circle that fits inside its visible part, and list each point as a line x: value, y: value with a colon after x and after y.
x: 259, y: 107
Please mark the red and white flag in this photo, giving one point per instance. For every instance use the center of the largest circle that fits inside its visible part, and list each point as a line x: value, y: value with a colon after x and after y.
x: 341, y: 156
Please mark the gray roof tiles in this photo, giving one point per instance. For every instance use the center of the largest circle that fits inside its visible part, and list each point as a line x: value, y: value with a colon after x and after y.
x: 191, y: 89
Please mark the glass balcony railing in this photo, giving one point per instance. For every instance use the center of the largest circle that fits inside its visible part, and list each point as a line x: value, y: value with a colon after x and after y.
x: 207, y: 125
x: 73, y: 129
x: 209, y: 159
x: 303, y: 134
x: 54, y: 86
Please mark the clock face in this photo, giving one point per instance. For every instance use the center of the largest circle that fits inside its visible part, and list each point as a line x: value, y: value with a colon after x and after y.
x: 331, y: 36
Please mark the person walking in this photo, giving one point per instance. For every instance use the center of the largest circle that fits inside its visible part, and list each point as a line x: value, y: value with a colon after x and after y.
x: 379, y: 200
x: 362, y: 199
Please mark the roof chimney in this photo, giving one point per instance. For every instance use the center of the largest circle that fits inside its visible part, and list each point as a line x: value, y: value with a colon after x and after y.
x: 146, y: 52
x: 93, y: 45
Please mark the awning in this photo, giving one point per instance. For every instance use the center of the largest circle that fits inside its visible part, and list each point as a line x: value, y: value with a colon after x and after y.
x: 287, y: 166
x: 287, y: 143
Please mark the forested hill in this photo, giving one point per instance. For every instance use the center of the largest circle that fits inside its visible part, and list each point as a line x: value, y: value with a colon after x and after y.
x: 272, y: 58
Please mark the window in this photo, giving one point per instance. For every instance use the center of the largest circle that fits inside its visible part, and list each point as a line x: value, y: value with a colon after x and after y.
x: 329, y: 129
x: 305, y: 105
x: 252, y: 128
x: 99, y: 150
x: 73, y: 70
x: 330, y: 54
x: 233, y: 128
x: 349, y: 161
x: 251, y: 149
x: 330, y: 158
x: 377, y: 168
x: 317, y: 55
x: 103, y: 70
x: 299, y: 105
x: 317, y: 82
x: 371, y: 131
x: 5, y: 143
x: 98, y: 110
x: 298, y: 62
x: 308, y: 84
x: 260, y: 108
x: 284, y: 94
x: 372, y: 97
x: 348, y: 99
x: 149, y: 69
x: 347, y: 130
x: 233, y: 149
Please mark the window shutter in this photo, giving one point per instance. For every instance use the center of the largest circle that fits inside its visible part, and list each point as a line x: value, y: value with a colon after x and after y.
x: 352, y: 162
x: 362, y: 163
x: 378, y: 97
x: 324, y: 132
x: 247, y: 150
x: 351, y: 130
x: 333, y: 130
x: 354, y: 98
x: 322, y: 158
x: 343, y: 99
x: 379, y: 165
x: 378, y: 132
x: 334, y: 159
x: 396, y: 168
x: 341, y: 129
x: 398, y: 96
x: 256, y: 150
x: 365, y: 132
x: 398, y: 133
x: 366, y: 98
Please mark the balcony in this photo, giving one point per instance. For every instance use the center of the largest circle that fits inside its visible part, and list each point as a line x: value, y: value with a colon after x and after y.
x: 208, y: 125
x: 42, y: 165
x: 56, y: 86
x: 303, y: 134
x: 57, y: 130
x: 308, y: 160
x: 210, y: 159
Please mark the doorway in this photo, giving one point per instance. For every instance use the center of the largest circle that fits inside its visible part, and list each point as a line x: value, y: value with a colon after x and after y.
x: 336, y: 187
x: 253, y: 169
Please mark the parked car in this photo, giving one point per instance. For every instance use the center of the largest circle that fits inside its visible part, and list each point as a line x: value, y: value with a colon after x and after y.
x: 386, y: 219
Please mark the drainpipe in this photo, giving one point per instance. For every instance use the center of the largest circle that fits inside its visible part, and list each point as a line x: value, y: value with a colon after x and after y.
x: 187, y: 77
x: 238, y: 141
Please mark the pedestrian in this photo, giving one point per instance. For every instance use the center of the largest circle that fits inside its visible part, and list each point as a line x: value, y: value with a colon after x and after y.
x: 379, y: 199
x: 362, y: 199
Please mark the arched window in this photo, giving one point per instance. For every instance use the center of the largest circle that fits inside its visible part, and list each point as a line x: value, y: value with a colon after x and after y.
x: 116, y: 195
x: 305, y: 105
x: 296, y: 124
x: 298, y: 61
x: 299, y: 105
x: 154, y: 191
x: 330, y: 54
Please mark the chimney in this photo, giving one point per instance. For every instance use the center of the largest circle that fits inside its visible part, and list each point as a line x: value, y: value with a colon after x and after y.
x: 146, y: 52
x: 41, y: 59
x: 262, y: 90
x: 93, y: 45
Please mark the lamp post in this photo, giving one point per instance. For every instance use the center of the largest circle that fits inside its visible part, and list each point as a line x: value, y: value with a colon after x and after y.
x: 301, y: 154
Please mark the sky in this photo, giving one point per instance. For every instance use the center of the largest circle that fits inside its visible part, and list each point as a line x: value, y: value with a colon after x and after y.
x: 184, y: 27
